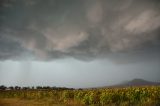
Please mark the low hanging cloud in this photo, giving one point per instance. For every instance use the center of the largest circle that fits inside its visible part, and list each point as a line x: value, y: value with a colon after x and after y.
x: 86, y: 30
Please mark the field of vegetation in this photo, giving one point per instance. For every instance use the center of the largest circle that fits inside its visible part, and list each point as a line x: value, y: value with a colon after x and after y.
x: 143, y: 96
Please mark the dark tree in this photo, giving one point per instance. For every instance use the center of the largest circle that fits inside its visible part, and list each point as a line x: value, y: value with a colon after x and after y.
x: 2, y: 87
x: 17, y: 88
x: 11, y: 88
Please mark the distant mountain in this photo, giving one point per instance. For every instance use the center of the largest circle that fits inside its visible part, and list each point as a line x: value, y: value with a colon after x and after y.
x: 134, y: 82
x: 137, y: 82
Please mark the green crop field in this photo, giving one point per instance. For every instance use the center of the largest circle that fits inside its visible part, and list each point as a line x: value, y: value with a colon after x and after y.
x: 143, y: 96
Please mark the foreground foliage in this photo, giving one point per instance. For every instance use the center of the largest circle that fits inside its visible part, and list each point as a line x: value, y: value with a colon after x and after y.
x: 110, y: 96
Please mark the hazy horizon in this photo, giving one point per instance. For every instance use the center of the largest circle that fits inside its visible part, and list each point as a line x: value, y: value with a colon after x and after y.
x: 78, y: 43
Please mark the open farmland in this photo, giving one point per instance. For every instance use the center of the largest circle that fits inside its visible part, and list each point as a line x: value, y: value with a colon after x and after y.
x: 145, y: 96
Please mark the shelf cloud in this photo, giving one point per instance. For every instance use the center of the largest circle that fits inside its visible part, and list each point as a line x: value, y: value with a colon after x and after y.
x: 44, y: 30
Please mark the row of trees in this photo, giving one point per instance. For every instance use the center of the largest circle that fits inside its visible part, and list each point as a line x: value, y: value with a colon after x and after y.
x: 2, y: 87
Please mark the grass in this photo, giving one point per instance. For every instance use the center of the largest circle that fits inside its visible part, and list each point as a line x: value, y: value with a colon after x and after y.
x: 20, y: 102
x: 141, y: 96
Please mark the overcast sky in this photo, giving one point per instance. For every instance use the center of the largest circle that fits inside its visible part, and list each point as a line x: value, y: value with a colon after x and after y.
x: 78, y: 43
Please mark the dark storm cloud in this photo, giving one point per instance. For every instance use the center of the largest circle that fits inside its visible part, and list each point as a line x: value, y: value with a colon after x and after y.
x: 10, y: 49
x: 83, y: 29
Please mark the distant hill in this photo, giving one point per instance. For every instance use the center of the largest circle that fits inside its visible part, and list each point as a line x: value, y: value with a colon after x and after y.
x: 137, y: 82
x: 134, y: 82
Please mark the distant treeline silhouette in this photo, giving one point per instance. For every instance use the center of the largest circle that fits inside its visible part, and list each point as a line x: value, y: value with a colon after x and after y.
x: 2, y: 87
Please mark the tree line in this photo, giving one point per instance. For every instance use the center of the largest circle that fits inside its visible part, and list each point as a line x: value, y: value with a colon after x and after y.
x: 2, y: 87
